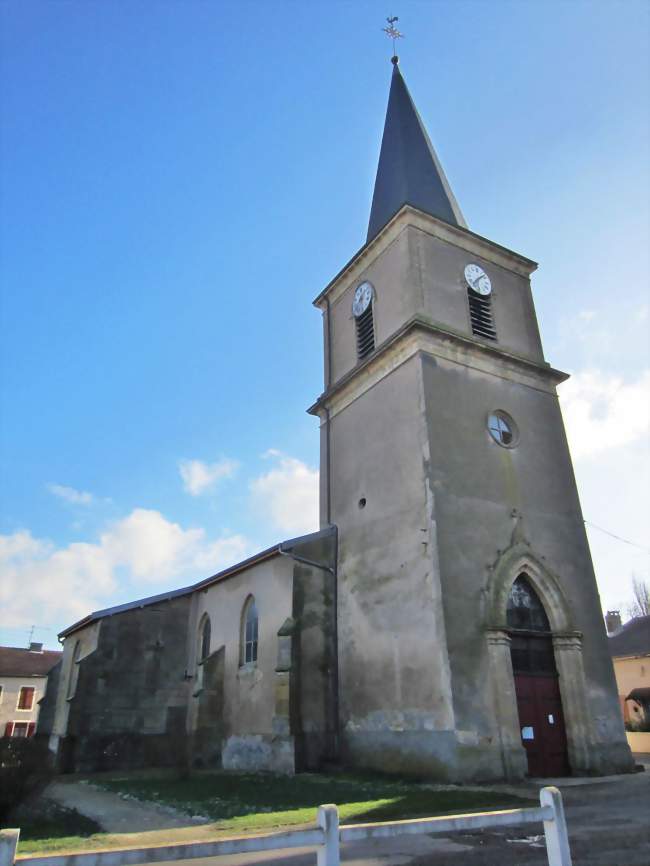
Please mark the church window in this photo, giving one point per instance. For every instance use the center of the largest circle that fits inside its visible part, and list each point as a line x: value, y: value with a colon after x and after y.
x: 525, y: 610
x: 531, y: 647
x: 502, y: 429
x: 250, y: 629
x: 480, y: 314
x: 205, y: 639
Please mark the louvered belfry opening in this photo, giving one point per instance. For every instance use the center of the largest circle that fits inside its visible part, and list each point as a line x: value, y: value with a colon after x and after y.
x: 480, y: 313
x: 365, y: 333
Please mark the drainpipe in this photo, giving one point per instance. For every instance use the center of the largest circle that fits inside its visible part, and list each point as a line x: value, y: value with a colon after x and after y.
x: 335, y: 602
x: 328, y: 382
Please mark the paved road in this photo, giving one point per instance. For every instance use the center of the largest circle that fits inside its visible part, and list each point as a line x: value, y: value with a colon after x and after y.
x: 609, y: 825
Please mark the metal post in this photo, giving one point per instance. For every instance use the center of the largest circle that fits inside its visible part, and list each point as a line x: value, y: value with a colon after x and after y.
x: 329, y: 853
x: 8, y: 845
x: 555, y: 830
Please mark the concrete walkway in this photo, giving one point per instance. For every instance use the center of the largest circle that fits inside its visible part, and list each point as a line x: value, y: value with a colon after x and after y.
x: 119, y: 814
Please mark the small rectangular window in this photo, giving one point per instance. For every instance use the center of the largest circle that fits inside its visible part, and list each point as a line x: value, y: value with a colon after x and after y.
x: 26, y: 698
x: 480, y: 314
x: 20, y: 729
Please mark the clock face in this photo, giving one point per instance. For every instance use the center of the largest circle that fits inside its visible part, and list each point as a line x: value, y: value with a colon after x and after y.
x: 477, y: 279
x: 362, y: 299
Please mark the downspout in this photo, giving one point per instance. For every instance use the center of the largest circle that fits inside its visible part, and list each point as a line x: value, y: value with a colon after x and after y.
x: 328, y: 382
x: 335, y: 601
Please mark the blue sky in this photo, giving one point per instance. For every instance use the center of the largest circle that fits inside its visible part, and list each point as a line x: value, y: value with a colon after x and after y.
x: 180, y: 179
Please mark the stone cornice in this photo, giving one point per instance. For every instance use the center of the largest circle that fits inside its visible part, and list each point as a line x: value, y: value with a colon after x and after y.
x: 455, y: 235
x: 442, y: 342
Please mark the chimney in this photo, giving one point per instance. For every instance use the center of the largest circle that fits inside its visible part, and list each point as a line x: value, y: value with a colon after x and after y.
x: 35, y: 647
x: 613, y: 621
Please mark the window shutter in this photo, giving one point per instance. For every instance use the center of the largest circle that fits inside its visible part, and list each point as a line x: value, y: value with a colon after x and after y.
x: 480, y: 313
x: 365, y: 333
x: 30, y: 729
x: 9, y: 729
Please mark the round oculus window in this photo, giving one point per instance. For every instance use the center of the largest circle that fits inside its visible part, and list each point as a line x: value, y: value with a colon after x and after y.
x: 503, y: 429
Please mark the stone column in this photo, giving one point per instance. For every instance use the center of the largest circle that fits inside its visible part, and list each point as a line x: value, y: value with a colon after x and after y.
x: 504, y: 697
x: 579, y: 729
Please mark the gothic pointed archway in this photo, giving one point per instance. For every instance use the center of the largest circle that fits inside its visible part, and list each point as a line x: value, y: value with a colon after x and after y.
x: 566, y: 644
x: 539, y: 702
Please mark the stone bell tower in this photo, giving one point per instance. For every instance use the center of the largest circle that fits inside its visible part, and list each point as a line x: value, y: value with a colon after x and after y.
x: 445, y: 466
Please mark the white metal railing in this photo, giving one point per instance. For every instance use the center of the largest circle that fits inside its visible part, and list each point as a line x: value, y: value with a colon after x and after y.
x: 326, y: 838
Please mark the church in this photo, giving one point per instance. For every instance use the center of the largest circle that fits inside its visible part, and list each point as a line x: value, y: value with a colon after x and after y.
x: 445, y: 620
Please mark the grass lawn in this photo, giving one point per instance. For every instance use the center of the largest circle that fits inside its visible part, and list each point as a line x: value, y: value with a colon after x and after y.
x: 46, y: 826
x: 241, y: 803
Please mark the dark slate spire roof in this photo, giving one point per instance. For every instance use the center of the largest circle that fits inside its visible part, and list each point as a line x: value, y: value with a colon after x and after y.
x: 409, y: 171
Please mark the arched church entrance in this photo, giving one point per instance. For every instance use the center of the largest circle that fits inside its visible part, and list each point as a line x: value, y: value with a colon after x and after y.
x: 539, y: 703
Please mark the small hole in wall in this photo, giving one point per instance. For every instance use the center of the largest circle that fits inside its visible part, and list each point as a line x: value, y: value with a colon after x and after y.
x: 362, y: 502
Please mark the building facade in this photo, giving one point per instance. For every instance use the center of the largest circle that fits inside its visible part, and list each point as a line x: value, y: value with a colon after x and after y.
x: 629, y: 646
x: 234, y: 671
x: 445, y: 620
x: 23, y: 680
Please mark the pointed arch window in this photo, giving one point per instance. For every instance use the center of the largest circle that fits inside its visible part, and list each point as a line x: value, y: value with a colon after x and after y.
x: 525, y: 610
x: 249, y: 632
x: 531, y: 647
x: 205, y: 635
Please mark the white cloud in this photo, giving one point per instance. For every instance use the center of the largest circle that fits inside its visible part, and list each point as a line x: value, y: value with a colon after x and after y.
x: 199, y: 477
x: 69, y: 494
x: 287, y: 495
x: 602, y: 412
x: 44, y: 583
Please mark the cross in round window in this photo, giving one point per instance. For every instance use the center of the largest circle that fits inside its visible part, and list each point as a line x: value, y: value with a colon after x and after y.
x: 502, y: 429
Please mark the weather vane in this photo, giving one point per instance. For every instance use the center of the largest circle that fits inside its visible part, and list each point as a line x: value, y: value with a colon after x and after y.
x: 393, y: 33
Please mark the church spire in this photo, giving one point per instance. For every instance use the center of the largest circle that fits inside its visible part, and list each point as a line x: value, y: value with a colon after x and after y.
x: 409, y: 171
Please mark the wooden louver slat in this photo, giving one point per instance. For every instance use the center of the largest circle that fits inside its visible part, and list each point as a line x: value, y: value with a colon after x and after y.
x: 480, y: 314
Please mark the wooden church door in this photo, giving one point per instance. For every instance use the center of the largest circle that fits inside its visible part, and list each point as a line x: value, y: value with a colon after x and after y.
x: 539, y: 703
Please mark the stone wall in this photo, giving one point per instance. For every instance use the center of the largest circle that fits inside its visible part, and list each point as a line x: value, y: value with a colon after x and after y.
x: 130, y: 702
x: 313, y: 677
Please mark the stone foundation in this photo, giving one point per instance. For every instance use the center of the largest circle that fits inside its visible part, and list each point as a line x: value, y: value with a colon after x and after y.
x: 256, y: 752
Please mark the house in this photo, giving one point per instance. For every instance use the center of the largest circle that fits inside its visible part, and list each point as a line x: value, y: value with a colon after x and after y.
x: 445, y: 619
x: 629, y: 646
x: 23, y: 679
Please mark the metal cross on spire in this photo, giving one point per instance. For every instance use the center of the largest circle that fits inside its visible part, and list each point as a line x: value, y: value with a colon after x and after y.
x: 393, y: 33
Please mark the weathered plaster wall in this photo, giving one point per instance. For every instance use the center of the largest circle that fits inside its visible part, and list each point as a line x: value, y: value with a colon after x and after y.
x: 417, y: 269
x: 481, y: 490
x: 248, y: 690
x: 406, y: 430
x: 11, y: 687
x: 396, y: 711
x: 313, y: 668
x: 47, y: 706
x: 441, y: 281
x: 632, y: 673
x: 391, y: 269
x: 86, y: 639
x: 129, y: 706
